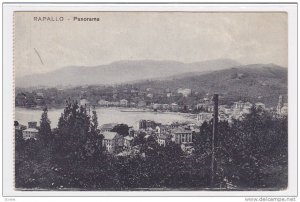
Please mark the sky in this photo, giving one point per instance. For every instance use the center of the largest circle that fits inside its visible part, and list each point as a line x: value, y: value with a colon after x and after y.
x: 248, y: 38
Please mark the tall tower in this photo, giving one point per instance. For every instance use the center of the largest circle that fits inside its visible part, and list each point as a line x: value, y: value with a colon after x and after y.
x: 280, y: 104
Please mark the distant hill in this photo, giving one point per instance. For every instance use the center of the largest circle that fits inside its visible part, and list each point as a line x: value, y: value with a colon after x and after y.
x: 255, y: 83
x: 120, y: 72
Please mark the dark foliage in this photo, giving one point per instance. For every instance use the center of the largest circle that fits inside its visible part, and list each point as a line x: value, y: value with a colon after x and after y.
x: 251, y: 153
x: 121, y: 129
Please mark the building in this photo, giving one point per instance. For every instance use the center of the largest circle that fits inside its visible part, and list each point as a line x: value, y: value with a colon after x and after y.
x: 280, y: 104
x: 223, y: 116
x: 228, y: 111
x: 107, y: 127
x: 145, y: 124
x: 282, y: 108
x: 204, y: 116
x: 174, y: 107
x: 161, y: 129
x: 141, y: 103
x: 131, y: 131
x: 123, y: 103
x: 184, y: 91
x: 39, y: 99
x: 238, y: 105
x: 84, y: 102
x: 201, y: 106
x: 237, y: 114
x: 163, y: 140
x: 132, y: 104
x: 157, y: 106
x: 247, y: 107
x: 114, y: 104
x: 187, y: 148
x: 260, y: 105
x: 31, y: 132
x: 103, y: 103
x: 181, y: 135
x: 210, y: 108
x: 112, y: 141
x: 165, y: 106
x: 128, y: 141
x: 150, y: 95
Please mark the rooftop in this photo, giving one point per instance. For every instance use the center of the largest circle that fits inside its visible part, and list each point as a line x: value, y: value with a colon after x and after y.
x: 31, y: 130
x: 109, y: 135
x: 109, y: 125
x: 181, y: 130
x: 128, y: 138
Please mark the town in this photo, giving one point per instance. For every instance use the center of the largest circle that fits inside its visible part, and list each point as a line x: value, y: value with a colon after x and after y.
x: 118, y: 138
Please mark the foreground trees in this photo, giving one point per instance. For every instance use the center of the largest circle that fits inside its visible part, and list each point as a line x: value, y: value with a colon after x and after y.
x: 251, y: 153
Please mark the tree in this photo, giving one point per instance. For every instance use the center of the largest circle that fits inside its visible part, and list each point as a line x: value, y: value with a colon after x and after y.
x: 121, y: 129
x: 78, y: 133
x: 73, y: 130
x: 45, y: 128
x: 94, y: 124
x: 139, y: 139
x: 202, y: 141
x: 250, y: 147
x: 93, y: 146
x: 19, y: 141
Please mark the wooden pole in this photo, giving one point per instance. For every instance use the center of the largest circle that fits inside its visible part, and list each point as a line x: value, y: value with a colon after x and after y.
x: 214, y: 136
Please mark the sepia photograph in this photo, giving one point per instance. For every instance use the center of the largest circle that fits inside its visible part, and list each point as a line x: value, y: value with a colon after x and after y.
x: 150, y: 101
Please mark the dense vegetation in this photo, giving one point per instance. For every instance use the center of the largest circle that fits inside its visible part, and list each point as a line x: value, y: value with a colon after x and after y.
x: 249, y: 154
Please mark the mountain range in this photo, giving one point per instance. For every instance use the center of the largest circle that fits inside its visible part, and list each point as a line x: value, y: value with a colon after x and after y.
x: 254, y: 83
x: 121, y: 72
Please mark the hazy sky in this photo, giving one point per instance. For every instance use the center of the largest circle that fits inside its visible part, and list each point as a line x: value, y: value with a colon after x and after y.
x: 42, y: 46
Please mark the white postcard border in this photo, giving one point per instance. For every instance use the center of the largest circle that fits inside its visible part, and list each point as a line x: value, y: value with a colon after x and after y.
x: 8, y: 92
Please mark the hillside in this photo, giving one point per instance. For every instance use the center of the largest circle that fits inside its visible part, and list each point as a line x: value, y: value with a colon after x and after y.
x: 120, y: 72
x: 256, y: 82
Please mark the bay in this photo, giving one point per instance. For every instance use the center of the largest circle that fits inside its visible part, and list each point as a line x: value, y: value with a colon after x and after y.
x: 107, y: 115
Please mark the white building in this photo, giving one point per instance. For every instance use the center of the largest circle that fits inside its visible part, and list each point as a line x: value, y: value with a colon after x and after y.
x: 103, y: 103
x: 31, y: 132
x: 157, y: 106
x: 181, y: 135
x: 128, y: 141
x: 112, y: 141
x: 162, y: 140
x: 184, y: 91
x: 141, y: 103
x: 174, y: 107
x: 84, y: 102
x: 204, y: 116
x: 238, y: 105
x: 124, y: 103
x: 284, y: 110
x: 107, y: 127
x: 260, y: 105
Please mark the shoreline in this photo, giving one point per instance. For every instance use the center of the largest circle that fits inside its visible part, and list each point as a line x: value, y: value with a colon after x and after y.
x: 121, y: 109
x: 23, y: 115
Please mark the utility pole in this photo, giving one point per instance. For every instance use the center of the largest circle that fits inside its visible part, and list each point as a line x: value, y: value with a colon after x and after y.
x: 214, y: 137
